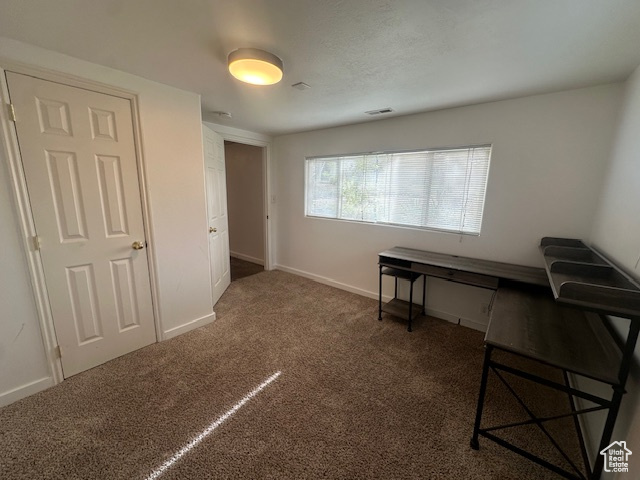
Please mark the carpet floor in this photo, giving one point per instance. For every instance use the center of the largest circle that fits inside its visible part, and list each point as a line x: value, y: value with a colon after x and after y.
x: 242, y: 268
x: 356, y: 398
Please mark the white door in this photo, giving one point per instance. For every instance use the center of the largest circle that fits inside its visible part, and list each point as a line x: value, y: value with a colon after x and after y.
x: 217, y: 212
x: 79, y: 158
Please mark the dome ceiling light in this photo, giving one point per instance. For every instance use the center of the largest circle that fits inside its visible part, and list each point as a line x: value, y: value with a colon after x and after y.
x: 255, y: 66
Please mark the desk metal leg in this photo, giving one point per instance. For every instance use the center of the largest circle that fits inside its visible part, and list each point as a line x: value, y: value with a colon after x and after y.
x: 424, y: 294
x: 576, y: 423
x: 410, y: 303
x: 605, y: 440
x: 380, y: 294
x: 483, y: 390
x: 618, y: 392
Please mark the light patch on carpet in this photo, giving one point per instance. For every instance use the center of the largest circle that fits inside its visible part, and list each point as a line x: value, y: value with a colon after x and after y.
x: 207, y: 431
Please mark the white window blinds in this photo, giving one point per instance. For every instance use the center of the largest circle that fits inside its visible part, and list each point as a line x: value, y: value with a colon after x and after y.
x: 433, y: 189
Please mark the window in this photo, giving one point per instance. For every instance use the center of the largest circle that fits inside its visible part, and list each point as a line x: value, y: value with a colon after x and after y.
x: 433, y: 189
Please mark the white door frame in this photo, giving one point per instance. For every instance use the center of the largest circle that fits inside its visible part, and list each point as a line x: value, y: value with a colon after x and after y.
x: 266, y: 175
x: 11, y: 152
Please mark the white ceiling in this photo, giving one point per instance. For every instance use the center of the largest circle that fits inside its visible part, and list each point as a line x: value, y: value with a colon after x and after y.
x: 357, y: 55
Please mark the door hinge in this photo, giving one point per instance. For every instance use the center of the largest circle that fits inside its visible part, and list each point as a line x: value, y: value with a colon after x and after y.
x: 12, y: 112
x: 36, y: 242
x: 58, y: 351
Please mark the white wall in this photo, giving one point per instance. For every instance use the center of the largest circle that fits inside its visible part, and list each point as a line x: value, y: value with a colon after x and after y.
x: 245, y: 198
x: 549, y: 156
x: 172, y: 146
x: 23, y: 364
x: 616, y: 232
x: 617, y: 224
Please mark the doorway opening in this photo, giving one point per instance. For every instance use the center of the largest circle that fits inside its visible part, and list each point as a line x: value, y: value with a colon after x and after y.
x: 245, y: 175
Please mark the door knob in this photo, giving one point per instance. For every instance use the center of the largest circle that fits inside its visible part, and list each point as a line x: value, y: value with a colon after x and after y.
x: 211, y: 229
x: 137, y: 245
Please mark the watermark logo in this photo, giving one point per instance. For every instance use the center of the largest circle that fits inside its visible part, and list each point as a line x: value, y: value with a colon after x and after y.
x: 616, y: 457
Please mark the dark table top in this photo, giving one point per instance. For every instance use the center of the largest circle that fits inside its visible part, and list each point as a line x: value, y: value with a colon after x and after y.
x: 519, y: 273
x: 530, y: 323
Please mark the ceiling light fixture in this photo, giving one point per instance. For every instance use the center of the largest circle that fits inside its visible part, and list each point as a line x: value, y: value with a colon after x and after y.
x: 255, y: 66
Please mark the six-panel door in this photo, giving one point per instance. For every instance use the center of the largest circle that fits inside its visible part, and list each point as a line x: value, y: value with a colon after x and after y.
x: 217, y: 212
x: 78, y: 151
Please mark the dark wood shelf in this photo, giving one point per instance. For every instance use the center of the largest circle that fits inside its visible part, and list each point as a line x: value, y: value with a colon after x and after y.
x: 530, y: 323
x: 563, y: 242
x: 584, y: 255
x: 582, y: 277
x: 400, y: 308
x: 405, y: 274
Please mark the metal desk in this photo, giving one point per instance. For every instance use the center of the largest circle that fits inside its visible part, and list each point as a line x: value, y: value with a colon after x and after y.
x: 556, y: 316
x: 529, y: 323
x: 469, y: 271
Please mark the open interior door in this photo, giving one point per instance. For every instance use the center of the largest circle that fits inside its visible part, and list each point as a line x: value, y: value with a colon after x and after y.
x: 217, y: 212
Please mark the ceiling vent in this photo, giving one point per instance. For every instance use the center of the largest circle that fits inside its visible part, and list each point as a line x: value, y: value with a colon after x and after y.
x: 379, y: 112
x: 221, y: 114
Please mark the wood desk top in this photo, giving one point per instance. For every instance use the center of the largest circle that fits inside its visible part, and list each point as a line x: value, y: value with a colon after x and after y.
x: 530, y: 323
x: 519, y: 273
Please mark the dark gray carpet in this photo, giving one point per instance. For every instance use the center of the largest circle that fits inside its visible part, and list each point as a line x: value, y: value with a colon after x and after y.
x: 357, y: 398
x: 242, y: 268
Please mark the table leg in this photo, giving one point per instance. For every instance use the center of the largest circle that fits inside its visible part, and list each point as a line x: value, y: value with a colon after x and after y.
x: 424, y: 294
x: 483, y: 390
x: 608, y: 429
x: 410, y: 303
x: 380, y: 294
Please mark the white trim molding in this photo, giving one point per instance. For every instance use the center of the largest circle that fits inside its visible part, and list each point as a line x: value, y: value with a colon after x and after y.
x: 257, y: 140
x: 23, y: 205
x: 24, y: 391
x: 330, y: 282
x: 192, y: 325
x: 238, y: 135
x: 11, y: 152
x: 247, y: 258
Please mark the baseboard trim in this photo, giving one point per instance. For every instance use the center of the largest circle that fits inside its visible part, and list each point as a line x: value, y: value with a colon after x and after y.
x: 331, y: 282
x: 385, y: 298
x: 25, y: 390
x: 247, y: 258
x: 481, y: 327
x: 187, y: 327
x: 465, y: 322
x: 442, y: 315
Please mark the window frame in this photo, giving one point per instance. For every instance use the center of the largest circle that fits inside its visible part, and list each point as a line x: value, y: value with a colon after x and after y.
x: 392, y: 152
